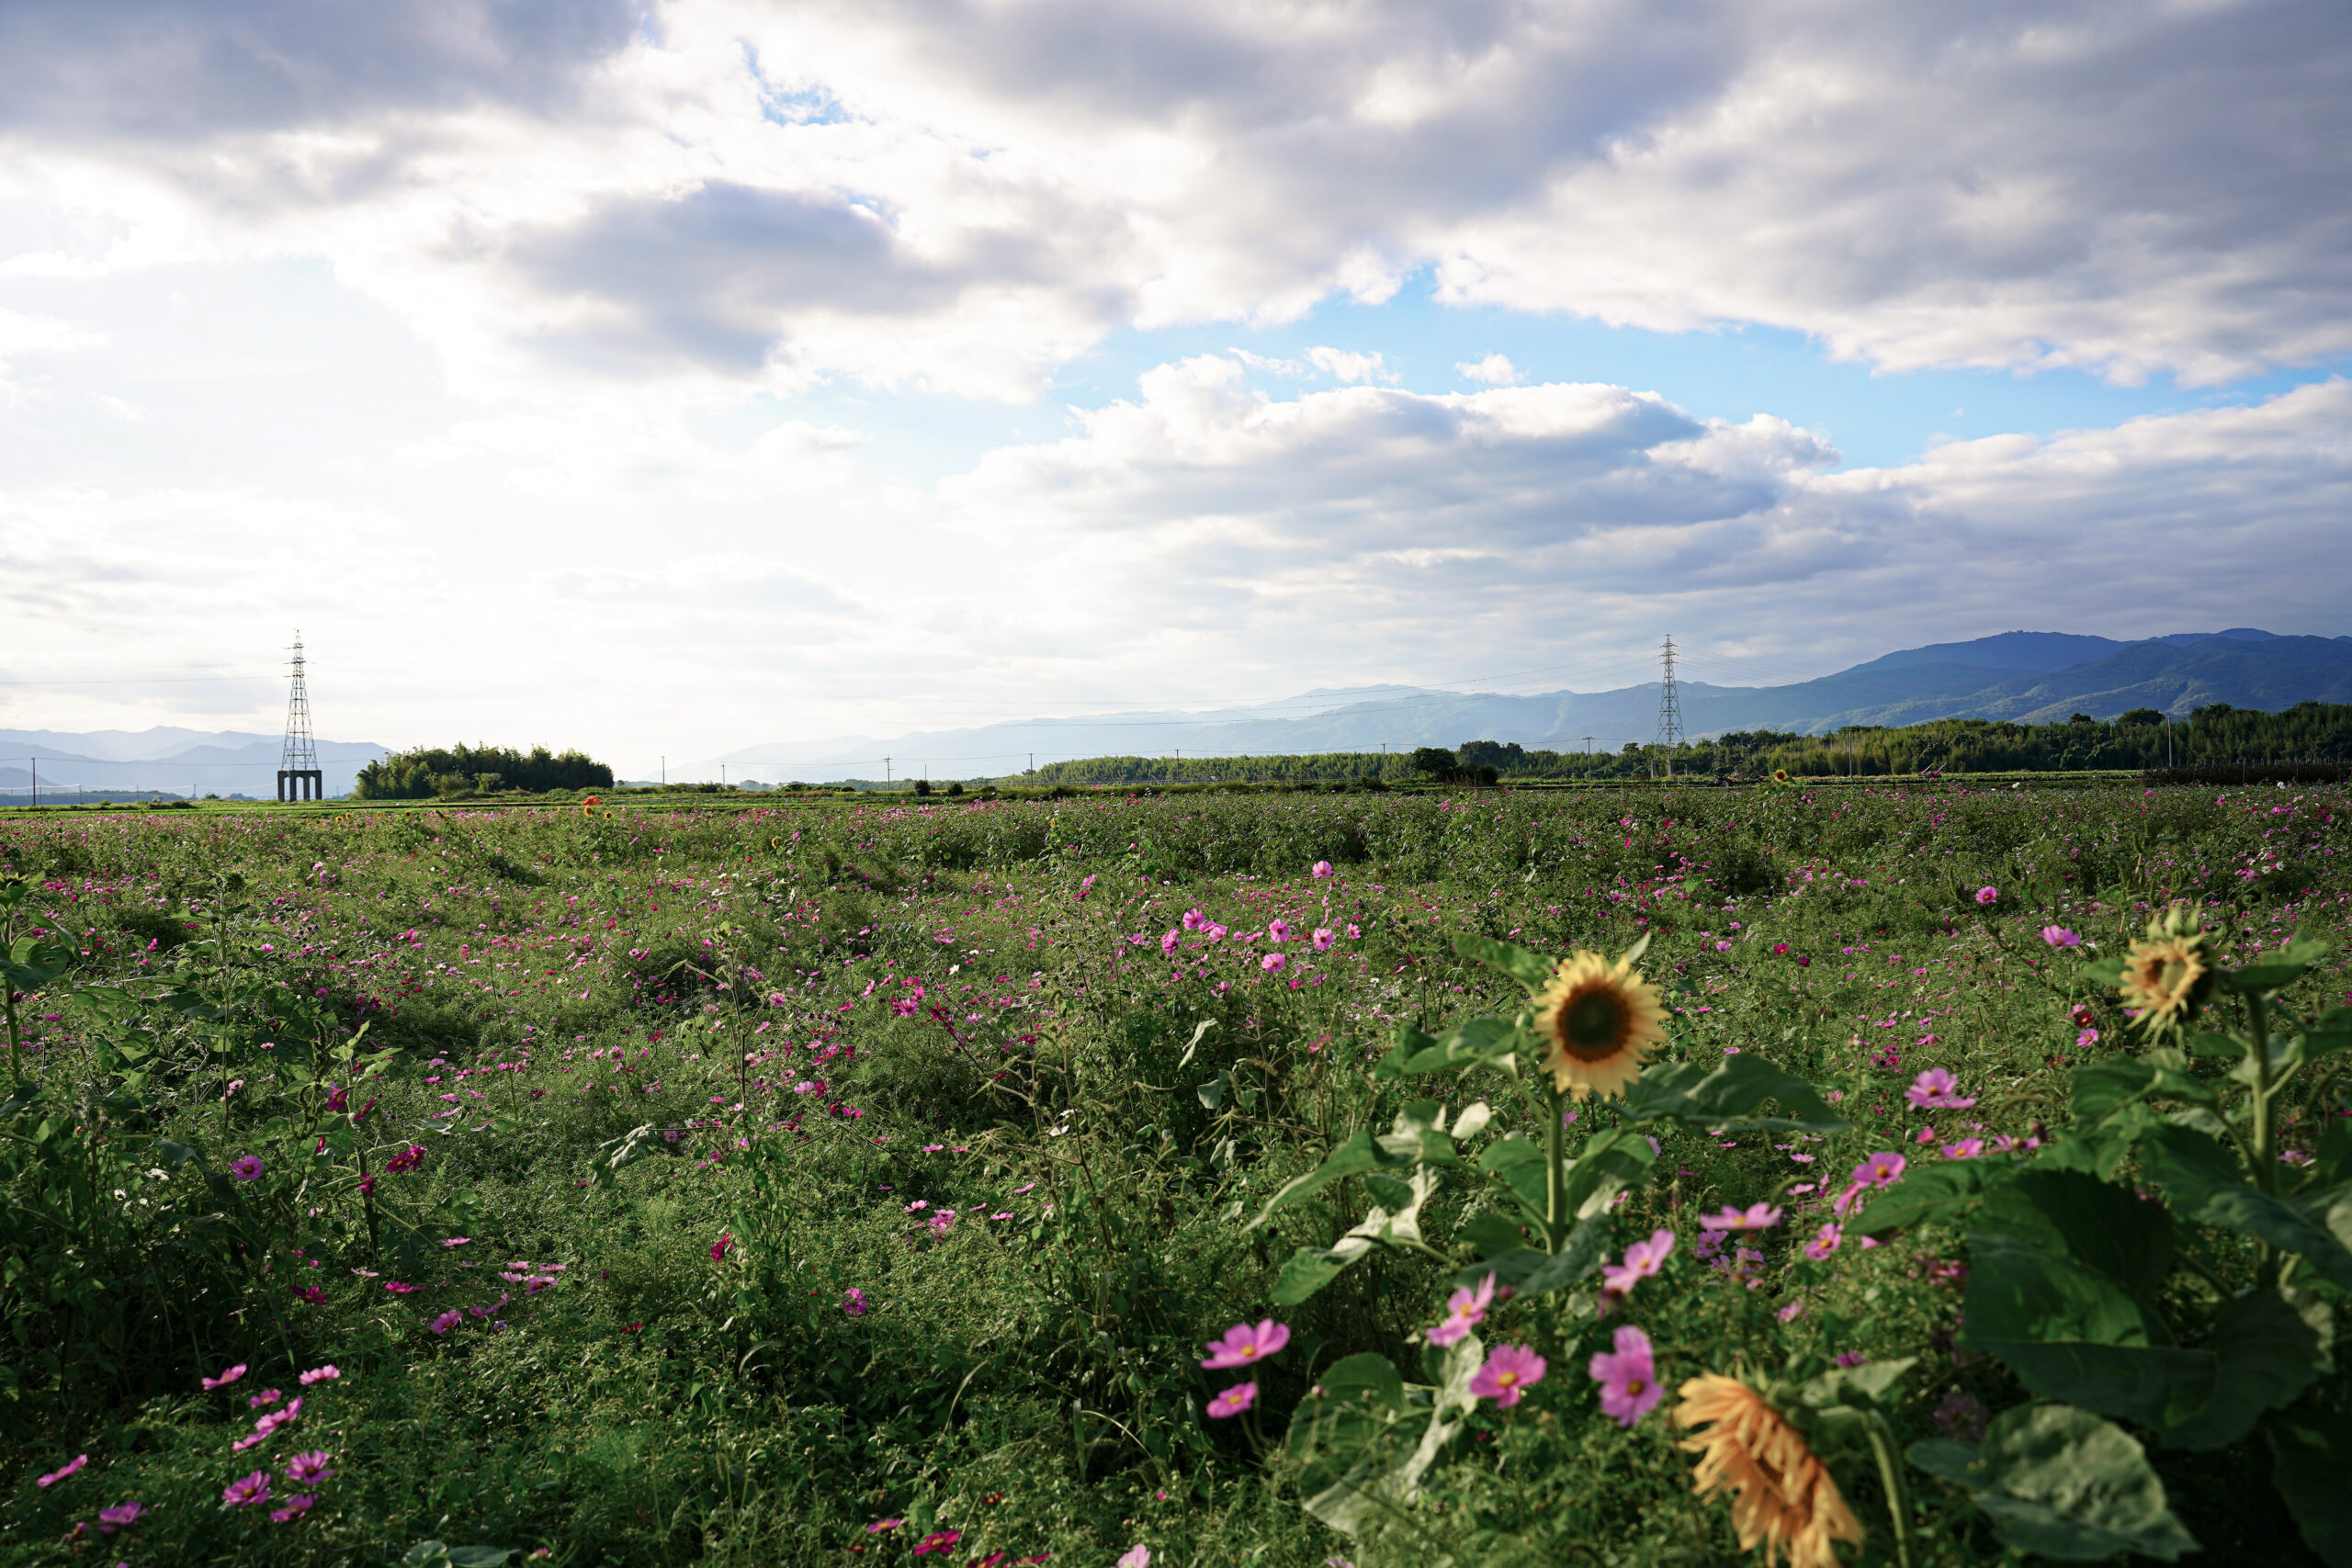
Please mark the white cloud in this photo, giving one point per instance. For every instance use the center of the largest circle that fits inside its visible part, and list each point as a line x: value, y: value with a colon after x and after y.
x: 22, y: 336
x: 960, y: 195
x: 1495, y: 370
x: 1342, y: 365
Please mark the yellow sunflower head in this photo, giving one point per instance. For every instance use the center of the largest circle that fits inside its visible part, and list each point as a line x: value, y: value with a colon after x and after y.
x: 1782, y: 1496
x: 2167, y: 975
x: 1779, y: 775
x: 1597, y: 1018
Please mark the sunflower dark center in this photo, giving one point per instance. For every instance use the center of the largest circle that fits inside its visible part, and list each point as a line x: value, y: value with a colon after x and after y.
x: 1593, y: 1025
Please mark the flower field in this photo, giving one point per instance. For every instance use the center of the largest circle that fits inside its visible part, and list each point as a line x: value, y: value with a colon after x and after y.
x: 1861, y: 1173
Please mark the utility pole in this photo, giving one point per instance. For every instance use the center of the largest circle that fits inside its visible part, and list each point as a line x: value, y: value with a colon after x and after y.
x: 36, y: 781
x: 665, y: 770
x: 298, y: 777
x: 1669, y: 708
x: 886, y: 770
x: 722, y: 775
x: 1587, y: 745
x: 1033, y: 762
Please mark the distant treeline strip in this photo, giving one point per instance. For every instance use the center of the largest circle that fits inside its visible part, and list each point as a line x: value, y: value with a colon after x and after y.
x: 2217, y: 736
x: 423, y: 773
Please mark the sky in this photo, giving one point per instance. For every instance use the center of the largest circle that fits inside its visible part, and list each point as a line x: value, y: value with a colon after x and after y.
x: 667, y: 378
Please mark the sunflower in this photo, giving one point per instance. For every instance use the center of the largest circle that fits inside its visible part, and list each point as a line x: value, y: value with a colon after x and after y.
x: 1598, y: 1018
x: 2167, y: 976
x: 1779, y: 775
x: 1782, y: 1496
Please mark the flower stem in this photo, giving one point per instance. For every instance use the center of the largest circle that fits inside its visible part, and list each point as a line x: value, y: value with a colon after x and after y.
x: 1890, y: 1474
x: 1555, y: 1180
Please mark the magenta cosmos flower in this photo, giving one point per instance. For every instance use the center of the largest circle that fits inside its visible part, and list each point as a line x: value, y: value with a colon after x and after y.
x: 1510, y: 1371
x: 1825, y: 1242
x: 1936, y: 1090
x: 328, y: 1373
x: 1278, y: 930
x: 120, y: 1516
x: 1272, y: 962
x: 225, y: 1379
x: 1463, y: 1309
x: 854, y: 1302
x: 1322, y: 868
x: 246, y: 1490
x: 939, y: 1540
x: 246, y: 1168
x: 1642, y: 1259
x: 1628, y: 1377
x: 1882, y: 1169
x: 1754, y: 1217
x: 1988, y: 895
x: 1323, y: 939
x: 1243, y: 1345
x: 295, y: 1508
x: 2058, y: 936
x: 63, y: 1471
x: 1233, y: 1401
x: 309, y: 1469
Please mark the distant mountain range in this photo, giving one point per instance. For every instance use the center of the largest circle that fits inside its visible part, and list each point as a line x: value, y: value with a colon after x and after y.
x: 176, y: 761
x: 2031, y: 677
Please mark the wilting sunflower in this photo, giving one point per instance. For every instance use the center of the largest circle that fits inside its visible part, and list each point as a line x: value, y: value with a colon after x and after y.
x: 2167, y: 976
x: 1782, y: 1496
x: 1597, y: 1018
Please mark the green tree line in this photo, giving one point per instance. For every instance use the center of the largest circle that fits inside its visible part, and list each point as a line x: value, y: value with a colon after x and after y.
x: 423, y: 772
x: 2136, y: 740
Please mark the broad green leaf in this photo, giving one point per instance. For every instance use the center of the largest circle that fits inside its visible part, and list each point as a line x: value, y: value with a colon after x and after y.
x: 2267, y: 1356
x: 1346, y: 1433
x: 1491, y: 1234
x: 2277, y: 971
x: 1587, y: 1246
x: 1386, y: 1190
x: 2334, y: 1165
x: 1866, y: 1384
x: 1481, y: 1043
x: 2097, y: 1224
x: 1519, y: 1162
x: 1357, y: 1155
x: 2070, y: 1333
x: 1944, y: 1458
x: 1529, y: 969
x: 2066, y: 1485
x: 2102, y: 1088
x: 1312, y: 1268
x: 2310, y: 1455
x: 1727, y: 1096
x: 1212, y: 1093
x: 2104, y: 972
x: 1514, y: 1269
x: 2202, y: 1178
x: 1410, y: 1043
x: 1416, y: 1137
x: 1929, y: 1193
x: 1611, y: 1161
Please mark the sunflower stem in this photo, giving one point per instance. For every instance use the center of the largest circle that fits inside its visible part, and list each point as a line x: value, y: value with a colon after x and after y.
x: 1890, y: 1474
x: 1555, y: 1180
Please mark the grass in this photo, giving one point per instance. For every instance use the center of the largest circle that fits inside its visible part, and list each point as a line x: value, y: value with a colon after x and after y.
x: 727, y: 1065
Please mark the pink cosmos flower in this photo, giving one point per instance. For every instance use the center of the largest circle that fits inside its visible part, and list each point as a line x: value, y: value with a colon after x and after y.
x: 1510, y: 1371
x: 225, y: 1379
x: 1243, y: 1345
x: 311, y: 1295
x: 1355, y: 932
x: 309, y: 1469
x: 1272, y: 962
x: 2086, y: 1039
x: 884, y: 1525
x: 1883, y: 1170
x: 246, y: 1490
x: 1642, y: 1259
x: 1324, y: 938
x: 1233, y: 1401
x: 320, y: 1374
x: 246, y: 1168
x: 2058, y: 936
x: 1168, y: 943
x: 1628, y: 1378
x: 854, y: 1302
x: 398, y: 1287
x: 1278, y: 930
x: 267, y: 1396
x: 939, y: 1540
x: 120, y: 1516
x: 1934, y: 1089
x: 1967, y: 1148
x: 1462, y: 1309
x: 448, y: 1320
x: 68, y: 1468
x: 942, y: 1222
x: 1757, y: 1217
x: 295, y: 1508
x: 719, y: 1248
x: 1988, y: 895
x: 1322, y: 869
x: 1825, y: 1242
x: 1136, y: 1556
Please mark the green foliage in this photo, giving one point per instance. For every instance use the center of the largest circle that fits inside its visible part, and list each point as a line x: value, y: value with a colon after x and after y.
x: 423, y: 772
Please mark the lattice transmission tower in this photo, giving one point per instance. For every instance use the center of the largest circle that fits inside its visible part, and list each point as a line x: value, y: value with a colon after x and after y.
x: 1669, y: 708
x: 299, y: 776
